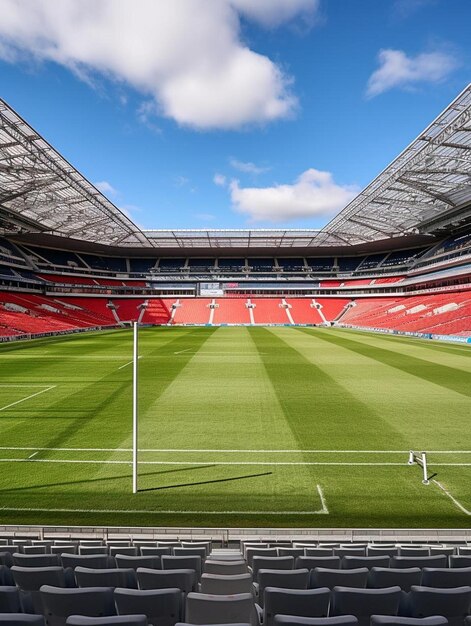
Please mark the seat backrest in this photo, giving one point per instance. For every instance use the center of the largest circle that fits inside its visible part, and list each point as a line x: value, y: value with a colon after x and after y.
x: 69, y: 549
x: 443, y: 577
x: 220, y: 584
x: 35, y: 560
x: 319, y: 552
x: 225, y: 567
x: 161, y: 606
x: 382, y: 551
x: 325, y: 577
x: 454, y: 604
x: 300, y: 602
x: 59, y: 604
x: 114, y: 620
x: 21, y: 619
x: 293, y: 620
x: 285, y: 579
x: 448, y: 550
x: 310, y: 562
x: 414, y: 551
x: 10, y: 600
x: 460, y: 561
x: 197, y: 544
x: 182, y: 562
x: 6, y: 558
x: 387, y: 620
x: 93, y: 549
x: 353, y: 562
x: 155, y: 550
x: 202, y: 608
x: 91, y: 542
x: 380, y: 577
x: 439, y: 560
x: 6, y: 579
x: 152, y: 562
x: 32, y: 578
x: 183, y: 579
x: 294, y: 552
x: 350, y: 551
x: 35, y: 549
x: 201, y: 552
x: 363, y: 603
x: 464, y: 550
x: 251, y: 552
x: 114, y: 577
x: 129, y: 550
x: 96, y: 561
x: 271, y: 562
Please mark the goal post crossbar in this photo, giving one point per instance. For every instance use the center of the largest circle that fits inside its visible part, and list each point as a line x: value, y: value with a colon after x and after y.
x: 420, y: 458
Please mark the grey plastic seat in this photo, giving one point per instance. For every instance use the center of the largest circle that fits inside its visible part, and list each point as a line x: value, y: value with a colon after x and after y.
x: 299, y: 602
x: 318, y: 552
x: 197, y: 544
x: 29, y: 580
x: 218, y: 584
x: 162, y: 607
x: 155, y: 551
x: 311, y: 562
x: 152, y: 562
x: 460, y: 561
x: 10, y: 600
x: 354, y: 562
x: 115, y: 620
x: 21, y: 619
x: 69, y: 549
x: 292, y: 620
x: 448, y: 550
x: 350, y: 551
x: 122, y: 543
x: 446, y: 577
x: 202, y: 608
x: 251, y: 552
x: 91, y: 543
x: 382, y: 551
x: 325, y: 577
x: 182, y: 562
x: 294, y: 552
x: 440, y: 560
x: 201, y: 552
x: 96, y: 561
x: 271, y: 562
x: 113, y: 577
x: 380, y: 577
x: 183, y: 579
x: 59, y: 604
x: 363, y: 603
x: 35, y: 560
x: 6, y: 579
x: 227, y: 568
x: 37, y: 549
x: 144, y: 543
x: 124, y: 550
x: 87, y: 550
x: 8, y: 548
x: 169, y: 544
x: 454, y: 604
x: 284, y: 579
x: 386, y: 620
x: 414, y: 551
x: 464, y: 550
x: 6, y: 558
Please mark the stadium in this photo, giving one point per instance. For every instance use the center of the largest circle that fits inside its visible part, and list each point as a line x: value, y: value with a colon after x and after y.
x: 255, y: 426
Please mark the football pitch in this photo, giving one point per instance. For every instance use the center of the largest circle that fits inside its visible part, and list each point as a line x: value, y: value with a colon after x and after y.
x: 239, y: 426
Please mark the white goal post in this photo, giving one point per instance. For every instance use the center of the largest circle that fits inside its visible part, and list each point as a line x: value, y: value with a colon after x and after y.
x: 420, y: 458
x: 135, y: 404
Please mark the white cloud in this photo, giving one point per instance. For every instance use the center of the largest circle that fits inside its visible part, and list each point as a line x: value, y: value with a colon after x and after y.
x: 405, y: 8
x: 105, y: 187
x: 186, y: 56
x: 248, y: 167
x: 399, y: 70
x: 205, y: 217
x: 314, y: 193
x: 181, y: 181
x: 219, y: 180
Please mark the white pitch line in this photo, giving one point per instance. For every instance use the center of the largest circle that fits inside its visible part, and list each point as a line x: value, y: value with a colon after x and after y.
x: 126, y: 364
x: 182, y: 351
x: 453, y: 499
x: 322, y: 511
x: 224, y: 451
x: 34, y: 454
x: 3, y: 408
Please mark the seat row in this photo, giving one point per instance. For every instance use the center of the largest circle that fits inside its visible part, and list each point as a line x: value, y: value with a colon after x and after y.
x: 166, y: 607
x: 111, y: 550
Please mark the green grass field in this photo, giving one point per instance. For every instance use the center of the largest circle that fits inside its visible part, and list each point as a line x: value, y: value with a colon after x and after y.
x: 238, y: 427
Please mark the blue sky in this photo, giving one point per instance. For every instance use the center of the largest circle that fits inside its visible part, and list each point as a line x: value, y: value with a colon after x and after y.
x: 235, y: 113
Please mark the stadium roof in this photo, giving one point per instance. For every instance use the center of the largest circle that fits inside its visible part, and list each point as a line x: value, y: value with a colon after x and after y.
x: 427, y: 184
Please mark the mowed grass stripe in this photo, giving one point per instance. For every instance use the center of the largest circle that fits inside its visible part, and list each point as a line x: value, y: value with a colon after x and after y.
x: 424, y: 415
x: 452, y: 378
x: 321, y: 412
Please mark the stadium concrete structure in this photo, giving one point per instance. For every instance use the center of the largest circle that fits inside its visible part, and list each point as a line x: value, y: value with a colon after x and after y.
x: 396, y: 259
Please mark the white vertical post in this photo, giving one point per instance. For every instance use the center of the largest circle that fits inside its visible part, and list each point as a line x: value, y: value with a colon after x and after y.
x: 411, y: 460
x: 135, y: 388
x: 424, y: 465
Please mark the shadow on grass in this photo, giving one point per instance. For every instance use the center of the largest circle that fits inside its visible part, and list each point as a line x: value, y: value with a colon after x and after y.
x: 109, y: 478
x: 206, y: 482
